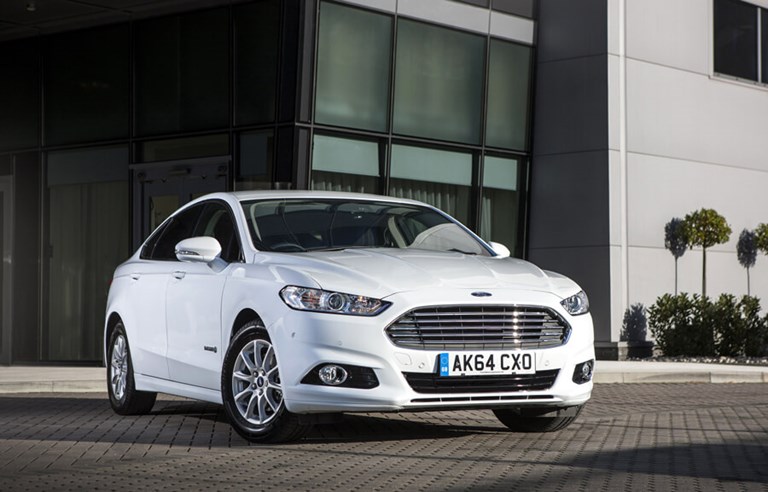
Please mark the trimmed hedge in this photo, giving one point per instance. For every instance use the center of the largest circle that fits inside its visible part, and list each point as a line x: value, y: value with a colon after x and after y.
x: 697, y: 326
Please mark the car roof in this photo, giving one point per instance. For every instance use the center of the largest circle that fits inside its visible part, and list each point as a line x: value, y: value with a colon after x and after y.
x: 242, y: 196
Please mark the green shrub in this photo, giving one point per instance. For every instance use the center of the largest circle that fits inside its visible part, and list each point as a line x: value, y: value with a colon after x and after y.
x: 695, y: 326
x: 755, y: 327
x: 728, y: 323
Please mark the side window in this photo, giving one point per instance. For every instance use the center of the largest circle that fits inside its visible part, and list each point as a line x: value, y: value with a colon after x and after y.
x: 180, y: 227
x: 216, y: 222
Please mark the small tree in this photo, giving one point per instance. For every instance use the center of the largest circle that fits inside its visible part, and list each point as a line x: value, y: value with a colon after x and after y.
x: 705, y: 228
x: 761, y: 238
x: 675, y: 241
x: 746, y: 252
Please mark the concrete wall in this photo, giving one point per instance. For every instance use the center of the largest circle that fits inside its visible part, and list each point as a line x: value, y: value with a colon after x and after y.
x: 631, y: 129
x: 693, y: 140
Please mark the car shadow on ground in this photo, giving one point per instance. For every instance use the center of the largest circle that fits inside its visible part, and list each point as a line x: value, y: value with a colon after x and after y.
x: 193, y: 424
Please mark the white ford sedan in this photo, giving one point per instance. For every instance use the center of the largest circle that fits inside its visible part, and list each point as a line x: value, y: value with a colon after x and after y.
x: 292, y: 307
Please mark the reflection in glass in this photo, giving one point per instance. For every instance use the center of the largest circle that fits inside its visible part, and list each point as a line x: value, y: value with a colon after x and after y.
x: 438, y: 177
x: 438, y: 82
x: 508, y: 95
x: 182, y: 72
x: 735, y: 26
x: 353, y: 67
x: 500, y: 209
x: 256, y: 48
x: 86, y: 85
x: 343, y: 164
x: 88, y: 234
x: 19, y: 94
x: 254, y: 170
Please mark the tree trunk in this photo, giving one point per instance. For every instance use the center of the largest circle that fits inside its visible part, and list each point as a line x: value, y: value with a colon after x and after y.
x: 748, y: 289
x: 675, y: 276
x: 704, y: 273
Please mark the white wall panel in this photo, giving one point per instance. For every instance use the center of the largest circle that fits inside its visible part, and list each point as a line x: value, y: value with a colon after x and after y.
x: 680, y: 114
x: 673, y: 33
x: 660, y: 188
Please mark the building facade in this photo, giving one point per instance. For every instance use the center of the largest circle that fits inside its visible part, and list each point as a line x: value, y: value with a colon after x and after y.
x: 569, y: 131
x: 112, y: 119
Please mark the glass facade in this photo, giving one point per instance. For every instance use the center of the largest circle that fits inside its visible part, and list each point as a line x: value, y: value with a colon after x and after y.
x: 104, y: 131
x: 456, y: 97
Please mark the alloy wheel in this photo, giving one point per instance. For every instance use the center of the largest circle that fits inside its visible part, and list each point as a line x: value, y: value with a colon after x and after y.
x: 258, y: 393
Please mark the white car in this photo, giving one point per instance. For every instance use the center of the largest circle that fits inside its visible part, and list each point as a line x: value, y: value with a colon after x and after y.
x: 290, y: 308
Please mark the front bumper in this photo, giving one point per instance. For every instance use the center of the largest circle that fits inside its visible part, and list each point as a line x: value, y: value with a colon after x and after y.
x: 304, y: 340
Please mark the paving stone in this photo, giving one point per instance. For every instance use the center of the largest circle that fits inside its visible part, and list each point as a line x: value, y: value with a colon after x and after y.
x: 629, y: 437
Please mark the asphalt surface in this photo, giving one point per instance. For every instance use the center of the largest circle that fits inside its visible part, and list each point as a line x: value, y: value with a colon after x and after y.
x: 630, y: 437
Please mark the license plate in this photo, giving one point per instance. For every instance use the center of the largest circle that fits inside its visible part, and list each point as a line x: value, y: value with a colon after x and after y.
x: 480, y: 363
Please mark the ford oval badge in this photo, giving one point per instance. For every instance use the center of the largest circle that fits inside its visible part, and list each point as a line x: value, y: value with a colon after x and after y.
x: 482, y: 294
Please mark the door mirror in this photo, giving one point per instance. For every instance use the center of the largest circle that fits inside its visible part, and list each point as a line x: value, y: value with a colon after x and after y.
x: 201, y: 249
x: 501, y: 250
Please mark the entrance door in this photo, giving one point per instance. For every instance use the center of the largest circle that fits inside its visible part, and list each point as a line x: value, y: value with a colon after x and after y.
x: 6, y: 188
x: 161, y: 188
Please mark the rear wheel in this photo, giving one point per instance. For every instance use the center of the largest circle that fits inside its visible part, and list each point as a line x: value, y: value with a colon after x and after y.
x: 123, y: 396
x: 252, y: 391
x: 541, y: 419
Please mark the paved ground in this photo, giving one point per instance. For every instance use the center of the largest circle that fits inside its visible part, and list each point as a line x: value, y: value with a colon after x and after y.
x: 630, y: 437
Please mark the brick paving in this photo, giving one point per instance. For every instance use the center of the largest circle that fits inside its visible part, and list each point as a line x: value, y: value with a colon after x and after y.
x: 630, y: 437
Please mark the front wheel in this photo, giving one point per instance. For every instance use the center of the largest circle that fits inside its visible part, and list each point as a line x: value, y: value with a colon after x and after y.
x: 540, y: 419
x: 252, y: 391
x: 123, y: 396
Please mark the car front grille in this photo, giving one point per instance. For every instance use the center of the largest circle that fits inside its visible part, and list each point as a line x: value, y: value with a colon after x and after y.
x: 432, y: 383
x: 479, y: 328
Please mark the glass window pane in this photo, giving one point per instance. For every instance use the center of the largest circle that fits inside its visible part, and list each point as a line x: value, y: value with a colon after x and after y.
x: 182, y: 72
x: 353, y: 67
x: 254, y: 169
x: 764, y: 44
x: 182, y: 148
x: 86, y: 85
x: 19, y: 95
x: 438, y: 82
x: 523, y: 8
x: 500, y: 217
x: 438, y: 177
x: 256, y: 46
x: 508, y: 95
x: 88, y: 234
x: 343, y: 164
x: 735, y: 38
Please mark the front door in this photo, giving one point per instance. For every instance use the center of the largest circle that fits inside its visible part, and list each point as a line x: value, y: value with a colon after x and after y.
x: 161, y: 188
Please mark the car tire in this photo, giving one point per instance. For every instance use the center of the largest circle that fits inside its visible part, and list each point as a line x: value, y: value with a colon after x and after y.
x: 123, y: 396
x: 251, y: 389
x: 541, y: 419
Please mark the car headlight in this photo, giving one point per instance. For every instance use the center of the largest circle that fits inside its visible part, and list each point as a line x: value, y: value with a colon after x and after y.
x: 323, y: 301
x: 576, y: 304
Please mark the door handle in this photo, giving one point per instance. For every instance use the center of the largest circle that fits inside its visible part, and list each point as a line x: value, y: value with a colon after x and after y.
x: 179, y: 275
x: 135, y: 276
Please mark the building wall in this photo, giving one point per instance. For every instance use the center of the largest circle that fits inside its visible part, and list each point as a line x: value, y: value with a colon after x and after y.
x: 693, y: 140
x: 632, y: 128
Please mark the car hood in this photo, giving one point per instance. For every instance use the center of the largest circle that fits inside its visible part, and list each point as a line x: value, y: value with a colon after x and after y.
x: 382, y: 272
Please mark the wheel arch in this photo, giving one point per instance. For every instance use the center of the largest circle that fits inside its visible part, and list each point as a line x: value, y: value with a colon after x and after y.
x: 245, y: 315
x: 112, y: 320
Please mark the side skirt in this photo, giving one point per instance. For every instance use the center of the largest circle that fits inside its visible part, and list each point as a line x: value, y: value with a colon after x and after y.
x: 148, y: 383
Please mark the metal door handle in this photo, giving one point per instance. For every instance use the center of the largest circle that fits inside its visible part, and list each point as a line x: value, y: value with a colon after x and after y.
x: 179, y: 275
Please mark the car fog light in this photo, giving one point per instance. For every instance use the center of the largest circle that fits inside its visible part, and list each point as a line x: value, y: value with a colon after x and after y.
x: 583, y: 372
x: 332, y: 375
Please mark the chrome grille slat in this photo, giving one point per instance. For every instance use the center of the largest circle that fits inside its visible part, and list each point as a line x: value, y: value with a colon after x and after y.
x: 479, y: 327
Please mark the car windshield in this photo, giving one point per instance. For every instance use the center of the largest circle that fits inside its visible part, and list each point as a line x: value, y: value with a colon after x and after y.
x: 299, y: 225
